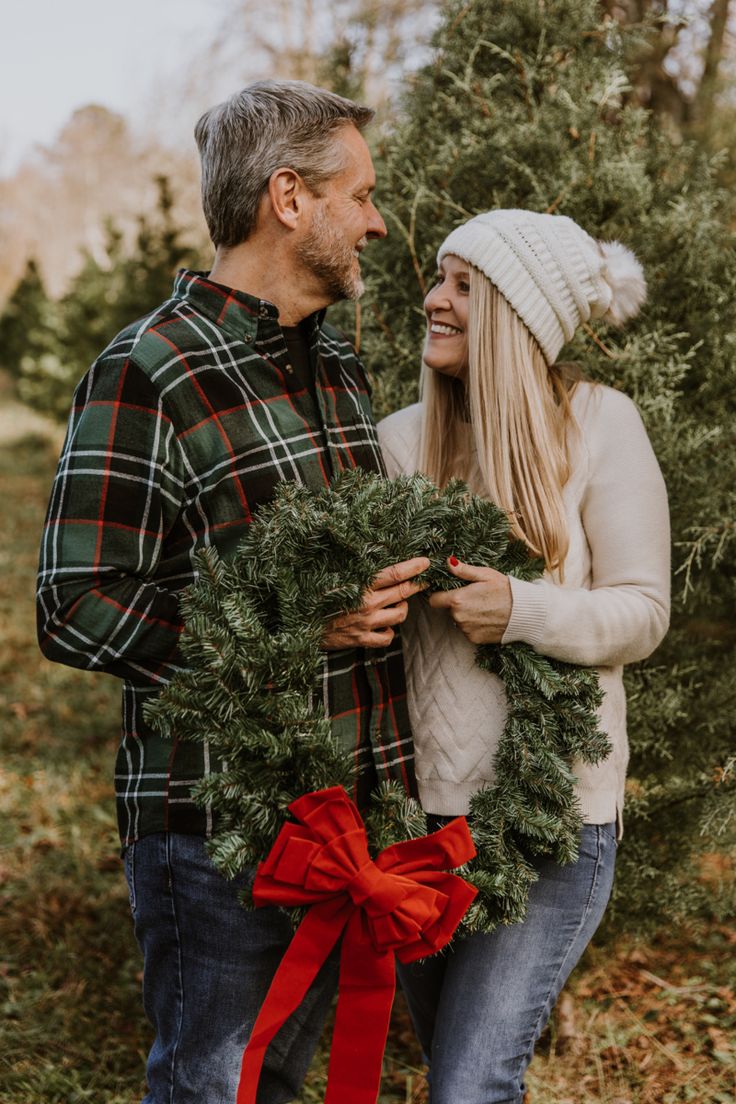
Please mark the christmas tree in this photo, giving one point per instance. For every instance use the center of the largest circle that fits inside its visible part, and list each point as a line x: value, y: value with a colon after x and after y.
x: 28, y: 324
x: 526, y: 105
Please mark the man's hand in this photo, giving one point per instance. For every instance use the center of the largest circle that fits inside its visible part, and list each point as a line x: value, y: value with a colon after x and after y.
x: 384, y: 605
x: 481, y: 609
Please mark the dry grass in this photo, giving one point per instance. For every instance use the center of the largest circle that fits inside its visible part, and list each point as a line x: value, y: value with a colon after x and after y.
x: 646, y: 1024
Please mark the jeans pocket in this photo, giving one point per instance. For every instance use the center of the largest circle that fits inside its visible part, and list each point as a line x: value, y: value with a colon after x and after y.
x: 129, y: 867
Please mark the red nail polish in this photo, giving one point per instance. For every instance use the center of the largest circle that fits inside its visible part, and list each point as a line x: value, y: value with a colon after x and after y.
x: 454, y: 561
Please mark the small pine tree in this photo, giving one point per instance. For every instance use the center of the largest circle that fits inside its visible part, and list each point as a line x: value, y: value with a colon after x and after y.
x: 524, y: 105
x: 28, y: 324
x: 158, y: 253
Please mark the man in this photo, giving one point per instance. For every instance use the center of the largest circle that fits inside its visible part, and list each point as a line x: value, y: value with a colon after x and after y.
x: 181, y: 429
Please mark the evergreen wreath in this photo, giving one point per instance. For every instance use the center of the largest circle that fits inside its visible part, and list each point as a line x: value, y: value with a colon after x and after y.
x: 251, y: 644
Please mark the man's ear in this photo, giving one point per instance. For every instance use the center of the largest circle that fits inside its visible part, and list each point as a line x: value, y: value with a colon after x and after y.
x: 287, y: 193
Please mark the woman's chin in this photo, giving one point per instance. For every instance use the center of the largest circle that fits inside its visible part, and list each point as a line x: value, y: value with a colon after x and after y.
x: 448, y: 361
x: 445, y: 366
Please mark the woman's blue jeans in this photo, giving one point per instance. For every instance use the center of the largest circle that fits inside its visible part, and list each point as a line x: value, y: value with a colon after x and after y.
x: 208, y: 963
x: 479, y: 1008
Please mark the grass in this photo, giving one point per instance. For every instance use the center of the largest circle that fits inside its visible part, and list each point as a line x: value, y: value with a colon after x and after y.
x: 642, y: 1024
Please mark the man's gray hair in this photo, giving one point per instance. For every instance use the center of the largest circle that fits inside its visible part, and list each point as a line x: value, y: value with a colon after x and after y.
x: 269, y: 125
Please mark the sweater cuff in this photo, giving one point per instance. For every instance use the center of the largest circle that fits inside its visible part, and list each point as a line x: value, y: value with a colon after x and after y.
x: 528, y: 613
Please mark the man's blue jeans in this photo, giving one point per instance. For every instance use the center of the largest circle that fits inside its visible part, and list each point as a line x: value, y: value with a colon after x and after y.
x: 479, y: 1009
x: 208, y: 963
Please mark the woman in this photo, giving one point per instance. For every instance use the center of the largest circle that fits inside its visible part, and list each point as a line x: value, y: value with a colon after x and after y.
x: 571, y: 464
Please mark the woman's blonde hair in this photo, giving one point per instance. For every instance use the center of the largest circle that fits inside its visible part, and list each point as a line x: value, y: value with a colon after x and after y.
x: 520, y: 417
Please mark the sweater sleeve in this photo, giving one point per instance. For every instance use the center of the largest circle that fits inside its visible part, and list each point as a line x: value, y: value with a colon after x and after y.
x: 625, y: 613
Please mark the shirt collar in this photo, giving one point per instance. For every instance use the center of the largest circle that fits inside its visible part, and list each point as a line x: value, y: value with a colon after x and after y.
x: 240, y: 315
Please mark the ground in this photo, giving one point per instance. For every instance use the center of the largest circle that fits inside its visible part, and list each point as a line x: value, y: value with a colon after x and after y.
x: 638, y: 1024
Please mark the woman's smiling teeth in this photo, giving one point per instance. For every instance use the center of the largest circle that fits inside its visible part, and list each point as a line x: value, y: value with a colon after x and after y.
x: 444, y: 328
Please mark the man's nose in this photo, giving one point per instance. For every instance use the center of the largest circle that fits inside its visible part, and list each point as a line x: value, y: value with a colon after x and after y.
x: 376, y: 225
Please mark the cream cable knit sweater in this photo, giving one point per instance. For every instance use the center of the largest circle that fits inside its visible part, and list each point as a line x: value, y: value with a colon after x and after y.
x: 613, y: 608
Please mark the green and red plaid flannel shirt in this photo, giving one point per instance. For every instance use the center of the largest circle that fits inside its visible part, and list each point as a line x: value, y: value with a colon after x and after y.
x: 180, y: 430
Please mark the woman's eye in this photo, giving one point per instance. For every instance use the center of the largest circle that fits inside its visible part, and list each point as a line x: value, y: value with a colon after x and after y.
x: 464, y: 287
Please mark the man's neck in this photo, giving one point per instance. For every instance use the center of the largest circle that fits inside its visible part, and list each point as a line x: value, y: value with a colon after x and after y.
x: 266, y: 275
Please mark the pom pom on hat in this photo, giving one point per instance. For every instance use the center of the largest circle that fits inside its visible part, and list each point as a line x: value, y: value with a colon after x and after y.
x: 551, y: 271
x: 625, y: 277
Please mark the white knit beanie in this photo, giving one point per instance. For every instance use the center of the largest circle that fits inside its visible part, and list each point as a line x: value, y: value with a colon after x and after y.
x: 553, y: 274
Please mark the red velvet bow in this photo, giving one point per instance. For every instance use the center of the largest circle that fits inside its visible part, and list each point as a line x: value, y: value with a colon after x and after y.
x: 404, y: 903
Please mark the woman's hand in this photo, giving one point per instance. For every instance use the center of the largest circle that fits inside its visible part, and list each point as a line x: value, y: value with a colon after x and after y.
x: 384, y: 605
x: 481, y: 609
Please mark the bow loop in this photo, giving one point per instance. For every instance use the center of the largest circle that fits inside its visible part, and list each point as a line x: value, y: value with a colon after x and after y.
x: 341, y: 859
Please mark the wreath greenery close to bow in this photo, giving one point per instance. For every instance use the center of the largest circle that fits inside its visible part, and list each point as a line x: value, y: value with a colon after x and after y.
x: 253, y: 628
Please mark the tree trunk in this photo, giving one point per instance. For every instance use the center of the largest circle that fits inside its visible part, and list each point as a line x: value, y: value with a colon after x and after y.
x: 654, y: 87
x: 702, y: 107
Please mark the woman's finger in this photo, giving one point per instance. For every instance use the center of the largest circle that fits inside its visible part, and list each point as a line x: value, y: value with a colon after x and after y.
x: 466, y: 571
x: 442, y: 599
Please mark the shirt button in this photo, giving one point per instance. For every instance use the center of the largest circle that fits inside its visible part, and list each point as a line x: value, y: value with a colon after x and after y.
x: 263, y: 312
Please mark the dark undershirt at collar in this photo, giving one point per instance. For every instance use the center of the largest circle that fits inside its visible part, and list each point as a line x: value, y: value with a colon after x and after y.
x: 297, y: 345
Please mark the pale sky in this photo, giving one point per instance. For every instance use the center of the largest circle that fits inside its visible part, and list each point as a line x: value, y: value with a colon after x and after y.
x: 128, y: 55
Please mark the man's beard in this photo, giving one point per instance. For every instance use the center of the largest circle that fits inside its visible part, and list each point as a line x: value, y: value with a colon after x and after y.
x: 331, y: 259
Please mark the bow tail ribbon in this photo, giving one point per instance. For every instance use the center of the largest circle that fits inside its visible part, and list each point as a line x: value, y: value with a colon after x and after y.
x: 367, y: 984
x: 366, y: 995
x: 315, y: 937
